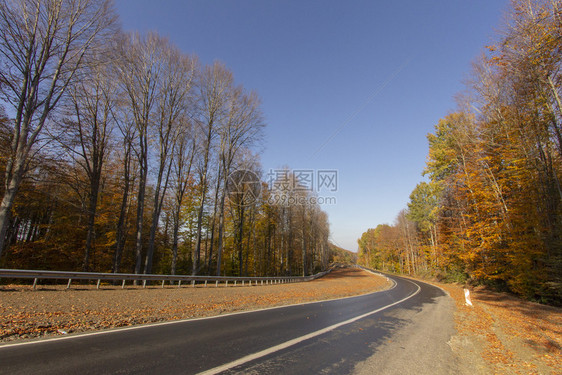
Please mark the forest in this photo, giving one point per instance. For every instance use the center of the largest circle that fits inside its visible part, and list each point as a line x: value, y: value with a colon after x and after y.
x: 119, y: 153
x: 490, y: 209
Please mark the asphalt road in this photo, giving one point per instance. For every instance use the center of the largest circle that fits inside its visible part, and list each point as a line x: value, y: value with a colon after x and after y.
x: 412, y: 322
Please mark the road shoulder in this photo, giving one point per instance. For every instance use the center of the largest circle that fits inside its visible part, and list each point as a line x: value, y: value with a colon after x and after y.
x: 504, y: 334
x: 419, y: 347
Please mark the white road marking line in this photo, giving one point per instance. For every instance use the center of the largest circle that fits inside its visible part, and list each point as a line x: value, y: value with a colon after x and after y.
x: 297, y: 340
x: 148, y: 325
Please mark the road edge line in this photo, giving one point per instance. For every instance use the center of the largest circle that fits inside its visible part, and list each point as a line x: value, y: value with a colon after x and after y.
x: 287, y: 344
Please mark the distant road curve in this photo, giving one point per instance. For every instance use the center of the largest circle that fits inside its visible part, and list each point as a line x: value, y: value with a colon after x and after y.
x: 338, y: 336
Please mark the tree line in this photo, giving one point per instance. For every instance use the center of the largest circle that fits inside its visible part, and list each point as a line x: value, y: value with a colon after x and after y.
x: 490, y: 211
x: 119, y: 154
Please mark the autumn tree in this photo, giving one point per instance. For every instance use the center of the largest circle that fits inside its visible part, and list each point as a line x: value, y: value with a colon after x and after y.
x: 173, y: 106
x: 140, y: 68
x: 148, y: 136
x: 126, y: 182
x: 241, y: 129
x: 492, y: 208
x: 86, y: 135
x: 182, y: 180
x: 215, y: 83
x: 43, y: 47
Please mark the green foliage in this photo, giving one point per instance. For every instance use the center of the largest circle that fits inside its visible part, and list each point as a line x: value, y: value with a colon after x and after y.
x: 424, y: 205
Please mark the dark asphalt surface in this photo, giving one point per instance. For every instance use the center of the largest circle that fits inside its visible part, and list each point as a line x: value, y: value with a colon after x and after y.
x: 193, y: 346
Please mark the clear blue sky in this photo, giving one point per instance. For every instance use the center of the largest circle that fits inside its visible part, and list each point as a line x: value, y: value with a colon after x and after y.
x: 348, y: 85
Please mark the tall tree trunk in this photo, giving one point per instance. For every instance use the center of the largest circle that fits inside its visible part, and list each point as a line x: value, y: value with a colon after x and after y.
x: 140, y: 219
x: 303, y: 241
x: 197, y: 251
x: 14, y: 175
x: 220, y: 235
x: 176, y: 229
x: 92, y: 208
x: 210, y: 260
x: 182, y: 184
x: 121, y: 223
x: 240, y: 237
x: 159, y: 195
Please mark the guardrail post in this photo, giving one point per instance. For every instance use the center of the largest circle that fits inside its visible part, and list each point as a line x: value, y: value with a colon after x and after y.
x: 163, y: 281
x: 193, y: 283
x: 34, y: 283
x: 235, y: 282
x: 144, y: 283
x: 205, y: 283
x: 123, y: 284
x: 226, y: 284
x: 98, y: 286
x: 179, y: 284
x: 68, y: 285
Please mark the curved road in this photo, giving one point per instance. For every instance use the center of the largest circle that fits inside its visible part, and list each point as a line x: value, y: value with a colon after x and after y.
x: 401, y: 330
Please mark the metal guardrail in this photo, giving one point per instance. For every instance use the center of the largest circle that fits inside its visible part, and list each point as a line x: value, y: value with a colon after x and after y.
x: 37, y: 275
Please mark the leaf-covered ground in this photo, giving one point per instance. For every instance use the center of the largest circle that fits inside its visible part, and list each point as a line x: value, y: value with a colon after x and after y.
x: 502, y: 334
x: 54, y: 310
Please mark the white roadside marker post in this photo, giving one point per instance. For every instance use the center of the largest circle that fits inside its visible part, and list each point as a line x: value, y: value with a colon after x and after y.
x: 467, y: 297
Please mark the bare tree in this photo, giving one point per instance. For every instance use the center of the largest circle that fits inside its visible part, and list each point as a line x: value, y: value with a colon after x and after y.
x: 128, y: 135
x: 173, y: 104
x: 43, y: 45
x: 242, y: 129
x: 183, y: 161
x: 140, y: 69
x: 86, y: 136
x: 215, y: 83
